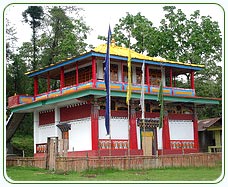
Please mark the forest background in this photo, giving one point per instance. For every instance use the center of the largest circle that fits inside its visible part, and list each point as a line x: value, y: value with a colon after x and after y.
x: 57, y: 35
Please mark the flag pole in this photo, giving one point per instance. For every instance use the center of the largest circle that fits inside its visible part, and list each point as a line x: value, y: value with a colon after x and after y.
x: 142, y: 99
x: 128, y: 147
x: 110, y: 138
x: 128, y: 98
x: 107, y: 86
x: 161, y: 103
x: 109, y: 90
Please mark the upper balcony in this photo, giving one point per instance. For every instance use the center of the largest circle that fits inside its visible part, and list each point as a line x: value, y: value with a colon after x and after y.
x: 86, y: 72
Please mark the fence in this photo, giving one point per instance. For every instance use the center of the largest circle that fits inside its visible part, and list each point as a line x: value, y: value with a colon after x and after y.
x: 122, y: 163
x: 26, y: 161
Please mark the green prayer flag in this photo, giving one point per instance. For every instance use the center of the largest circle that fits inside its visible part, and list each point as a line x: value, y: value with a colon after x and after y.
x: 161, y: 104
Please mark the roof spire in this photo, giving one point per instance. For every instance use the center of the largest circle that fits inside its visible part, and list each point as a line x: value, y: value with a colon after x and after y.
x: 113, y: 42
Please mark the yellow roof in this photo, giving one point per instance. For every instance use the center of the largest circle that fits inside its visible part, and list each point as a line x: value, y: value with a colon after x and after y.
x: 121, y: 51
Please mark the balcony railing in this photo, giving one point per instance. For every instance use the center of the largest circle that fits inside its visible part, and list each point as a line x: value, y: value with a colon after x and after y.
x: 116, y: 86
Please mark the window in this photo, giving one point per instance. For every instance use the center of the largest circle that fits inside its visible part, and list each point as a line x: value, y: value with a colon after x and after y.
x: 155, y: 77
x: 138, y: 75
x: 70, y: 78
x: 125, y: 74
x: 85, y: 74
x: 113, y: 72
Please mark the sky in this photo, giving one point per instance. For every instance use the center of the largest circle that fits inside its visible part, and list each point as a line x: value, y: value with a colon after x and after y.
x: 99, y: 16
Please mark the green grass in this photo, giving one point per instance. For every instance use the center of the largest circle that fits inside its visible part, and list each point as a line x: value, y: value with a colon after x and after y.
x: 111, y: 174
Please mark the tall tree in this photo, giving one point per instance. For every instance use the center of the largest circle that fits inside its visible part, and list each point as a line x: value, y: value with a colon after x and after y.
x: 195, y: 39
x: 33, y: 16
x: 141, y: 29
x: 63, y: 36
x: 11, y: 40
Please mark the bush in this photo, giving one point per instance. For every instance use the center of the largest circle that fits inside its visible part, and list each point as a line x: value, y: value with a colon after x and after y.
x: 23, y: 143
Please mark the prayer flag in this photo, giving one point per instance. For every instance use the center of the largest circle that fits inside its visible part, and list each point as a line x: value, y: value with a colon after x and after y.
x: 129, y: 86
x: 107, y: 83
x: 142, y: 90
x: 161, y: 104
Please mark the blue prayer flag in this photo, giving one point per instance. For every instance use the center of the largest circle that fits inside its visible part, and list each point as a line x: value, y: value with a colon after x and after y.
x: 107, y: 83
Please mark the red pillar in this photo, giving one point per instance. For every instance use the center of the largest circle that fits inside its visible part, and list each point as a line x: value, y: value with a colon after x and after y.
x: 94, y: 78
x: 94, y: 126
x: 196, y: 138
x: 148, y: 77
x: 165, y: 134
x: 133, y: 132
x: 48, y: 82
x: 76, y: 78
x: 192, y: 80
x: 171, y: 77
x: 62, y: 77
x: 36, y: 86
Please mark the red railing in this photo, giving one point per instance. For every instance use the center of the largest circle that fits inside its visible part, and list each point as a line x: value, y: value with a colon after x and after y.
x: 41, y: 148
x: 115, y: 144
x: 182, y: 144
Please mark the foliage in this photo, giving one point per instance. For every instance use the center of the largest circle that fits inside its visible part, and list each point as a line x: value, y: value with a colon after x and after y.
x: 63, y: 36
x: 195, y: 39
x: 33, y: 16
x: 15, y: 76
x: 11, y: 39
x: 55, y: 36
x: 23, y: 142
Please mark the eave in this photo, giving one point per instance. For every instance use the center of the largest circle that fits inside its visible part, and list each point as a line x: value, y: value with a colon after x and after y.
x: 68, y: 61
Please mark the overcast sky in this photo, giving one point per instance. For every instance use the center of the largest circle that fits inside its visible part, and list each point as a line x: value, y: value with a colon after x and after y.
x: 99, y: 16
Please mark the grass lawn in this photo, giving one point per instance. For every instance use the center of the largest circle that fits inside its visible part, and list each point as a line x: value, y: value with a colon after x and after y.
x: 164, y: 174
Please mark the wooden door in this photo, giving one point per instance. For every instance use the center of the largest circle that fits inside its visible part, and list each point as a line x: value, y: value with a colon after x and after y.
x: 147, y: 140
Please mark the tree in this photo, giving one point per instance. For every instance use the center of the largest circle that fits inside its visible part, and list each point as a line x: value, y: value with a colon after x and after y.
x: 64, y: 36
x: 196, y: 39
x: 11, y: 40
x: 141, y: 32
x: 34, y: 15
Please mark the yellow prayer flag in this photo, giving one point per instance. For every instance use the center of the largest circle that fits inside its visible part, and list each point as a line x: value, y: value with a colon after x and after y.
x: 129, y: 86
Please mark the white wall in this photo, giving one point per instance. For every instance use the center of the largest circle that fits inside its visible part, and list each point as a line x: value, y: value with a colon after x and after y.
x: 118, y: 130
x: 159, y: 138
x: 80, y: 135
x: 138, y: 137
x: 181, y: 130
x: 36, y: 129
x: 43, y: 132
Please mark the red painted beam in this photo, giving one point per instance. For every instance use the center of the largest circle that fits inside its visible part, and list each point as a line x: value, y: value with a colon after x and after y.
x: 94, y: 131
x: 165, y: 134
x: 133, y: 134
x: 62, y: 77
x: 196, y: 138
x: 148, y: 77
x: 36, y: 86
x: 76, y: 78
x: 171, y: 77
x: 192, y: 80
x: 48, y: 82
x: 94, y: 78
